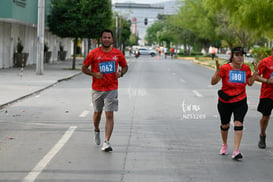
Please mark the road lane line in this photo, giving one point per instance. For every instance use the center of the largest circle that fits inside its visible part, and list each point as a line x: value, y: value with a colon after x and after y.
x: 197, y: 93
x: 182, y: 80
x: 84, y: 113
x: 35, y: 172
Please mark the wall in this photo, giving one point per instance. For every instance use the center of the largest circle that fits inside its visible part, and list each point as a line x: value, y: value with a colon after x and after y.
x: 18, y: 20
x: 20, y: 10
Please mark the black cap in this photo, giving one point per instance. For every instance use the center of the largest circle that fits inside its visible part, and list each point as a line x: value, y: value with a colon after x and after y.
x: 238, y: 49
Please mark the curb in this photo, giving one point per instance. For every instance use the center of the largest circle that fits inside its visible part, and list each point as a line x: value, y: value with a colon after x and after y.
x: 203, y: 64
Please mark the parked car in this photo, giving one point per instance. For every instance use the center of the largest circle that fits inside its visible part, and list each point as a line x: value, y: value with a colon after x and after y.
x: 249, y: 55
x: 145, y: 51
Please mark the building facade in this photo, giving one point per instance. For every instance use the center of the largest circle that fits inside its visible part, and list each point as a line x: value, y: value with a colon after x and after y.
x: 137, y: 13
x: 18, y: 23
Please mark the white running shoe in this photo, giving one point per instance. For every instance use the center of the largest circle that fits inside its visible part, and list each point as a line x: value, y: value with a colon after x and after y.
x: 106, y: 146
x: 97, y: 137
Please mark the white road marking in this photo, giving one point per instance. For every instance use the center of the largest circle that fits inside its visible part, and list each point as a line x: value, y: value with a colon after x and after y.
x: 84, y: 113
x: 182, y: 80
x: 35, y: 172
x: 141, y: 92
x: 197, y: 93
x: 132, y: 92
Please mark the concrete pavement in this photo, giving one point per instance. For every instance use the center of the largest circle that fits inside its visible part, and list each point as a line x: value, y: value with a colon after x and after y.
x: 17, y: 83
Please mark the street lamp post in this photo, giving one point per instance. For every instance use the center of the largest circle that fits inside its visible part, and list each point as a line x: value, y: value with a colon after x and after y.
x: 117, y: 32
x: 40, y: 37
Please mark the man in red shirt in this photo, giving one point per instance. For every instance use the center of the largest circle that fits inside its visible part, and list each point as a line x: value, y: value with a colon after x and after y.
x: 213, y: 53
x: 172, y: 52
x: 266, y: 97
x: 105, y: 62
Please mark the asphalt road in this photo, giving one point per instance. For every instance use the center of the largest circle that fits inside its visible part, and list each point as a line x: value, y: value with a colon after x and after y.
x: 166, y: 130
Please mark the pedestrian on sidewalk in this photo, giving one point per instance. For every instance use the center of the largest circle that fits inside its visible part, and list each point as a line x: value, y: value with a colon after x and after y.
x: 266, y: 96
x: 232, y: 99
x: 172, y: 52
x: 105, y: 71
x: 213, y: 51
x: 165, y: 52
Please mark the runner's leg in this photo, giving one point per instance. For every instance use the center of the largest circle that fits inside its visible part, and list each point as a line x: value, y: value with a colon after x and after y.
x: 109, y: 125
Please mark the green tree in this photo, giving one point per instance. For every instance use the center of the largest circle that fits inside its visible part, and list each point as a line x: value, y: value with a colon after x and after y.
x: 257, y: 16
x: 96, y: 16
x: 79, y: 19
x: 121, y: 31
x: 248, y: 20
x: 182, y: 36
x: 153, y: 31
x: 125, y: 34
x: 159, y: 33
x: 195, y: 18
x: 133, y: 39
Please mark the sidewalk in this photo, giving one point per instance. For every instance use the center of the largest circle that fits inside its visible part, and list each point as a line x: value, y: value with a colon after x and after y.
x: 16, y: 84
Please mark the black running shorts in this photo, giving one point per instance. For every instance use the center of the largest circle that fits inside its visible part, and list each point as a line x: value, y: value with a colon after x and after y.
x: 265, y: 106
x: 239, y: 110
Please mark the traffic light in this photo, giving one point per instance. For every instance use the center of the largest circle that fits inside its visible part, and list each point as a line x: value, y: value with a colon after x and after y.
x: 145, y: 21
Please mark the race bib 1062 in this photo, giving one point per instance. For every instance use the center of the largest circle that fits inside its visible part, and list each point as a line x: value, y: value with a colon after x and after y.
x: 236, y: 76
x: 107, y: 67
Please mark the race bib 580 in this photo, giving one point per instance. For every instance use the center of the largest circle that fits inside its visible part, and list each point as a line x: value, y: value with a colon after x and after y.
x: 107, y: 67
x: 236, y: 76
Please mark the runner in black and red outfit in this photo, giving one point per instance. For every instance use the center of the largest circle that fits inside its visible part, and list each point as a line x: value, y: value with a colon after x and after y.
x: 235, y: 76
x: 105, y: 62
x: 266, y: 97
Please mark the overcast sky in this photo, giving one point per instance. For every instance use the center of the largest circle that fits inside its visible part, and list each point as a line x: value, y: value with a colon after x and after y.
x: 138, y: 1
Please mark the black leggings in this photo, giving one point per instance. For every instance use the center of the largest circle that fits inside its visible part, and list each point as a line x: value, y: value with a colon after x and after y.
x: 239, y: 110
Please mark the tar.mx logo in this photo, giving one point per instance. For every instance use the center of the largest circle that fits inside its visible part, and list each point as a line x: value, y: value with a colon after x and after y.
x: 191, y: 111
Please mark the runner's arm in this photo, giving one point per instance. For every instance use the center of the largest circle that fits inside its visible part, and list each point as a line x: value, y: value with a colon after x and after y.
x: 87, y: 71
x: 122, y: 72
x: 216, y: 78
x: 252, y: 79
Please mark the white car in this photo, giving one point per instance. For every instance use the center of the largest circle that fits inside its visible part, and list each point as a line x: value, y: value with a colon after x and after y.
x: 145, y: 51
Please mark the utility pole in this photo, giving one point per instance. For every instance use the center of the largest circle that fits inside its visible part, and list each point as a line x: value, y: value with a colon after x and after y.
x: 40, y: 37
x: 117, y: 32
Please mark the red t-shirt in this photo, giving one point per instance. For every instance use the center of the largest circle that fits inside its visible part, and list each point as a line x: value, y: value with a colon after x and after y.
x: 234, y: 81
x: 266, y: 70
x: 107, y: 63
x: 213, y: 50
